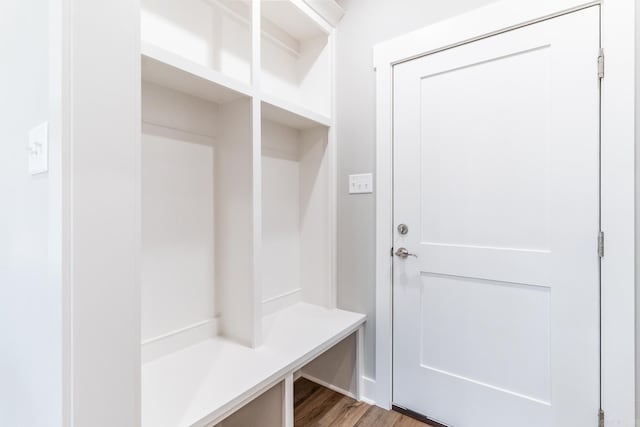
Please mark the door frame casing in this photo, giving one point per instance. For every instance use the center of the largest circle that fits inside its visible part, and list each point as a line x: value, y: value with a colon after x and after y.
x: 617, y: 178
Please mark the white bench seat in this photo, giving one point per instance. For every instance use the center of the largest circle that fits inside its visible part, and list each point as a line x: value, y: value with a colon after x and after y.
x: 204, y: 383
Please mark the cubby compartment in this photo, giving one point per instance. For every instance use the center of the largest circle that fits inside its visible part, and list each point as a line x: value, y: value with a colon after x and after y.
x: 337, y: 368
x: 296, y: 57
x: 214, y: 34
x: 266, y: 410
x: 296, y: 212
x: 196, y: 219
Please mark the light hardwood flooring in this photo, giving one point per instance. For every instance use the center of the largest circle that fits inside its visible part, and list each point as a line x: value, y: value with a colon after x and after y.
x: 318, y: 406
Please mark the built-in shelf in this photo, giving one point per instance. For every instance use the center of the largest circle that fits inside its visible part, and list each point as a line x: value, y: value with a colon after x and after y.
x: 291, y: 16
x: 173, y: 71
x: 285, y: 23
x: 237, y: 213
x: 215, y: 34
x: 202, y: 384
x: 296, y: 55
x: 290, y: 114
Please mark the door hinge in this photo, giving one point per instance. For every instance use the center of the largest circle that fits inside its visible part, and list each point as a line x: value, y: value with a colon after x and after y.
x: 601, y: 64
x: 601, y: 244
x: 600, y: 418
x: 391, y: 252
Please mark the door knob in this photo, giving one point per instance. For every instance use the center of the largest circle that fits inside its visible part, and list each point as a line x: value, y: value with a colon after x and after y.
x: 404, y: 253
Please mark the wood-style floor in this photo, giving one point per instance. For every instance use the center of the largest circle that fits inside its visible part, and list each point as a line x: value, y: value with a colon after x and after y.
x: 318, y: 406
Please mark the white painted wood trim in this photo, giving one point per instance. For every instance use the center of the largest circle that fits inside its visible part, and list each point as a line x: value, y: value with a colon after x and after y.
x: 256, y: 123
x: 311, y: 13
x: 287, y: 401
x: 329, y: 386
x: 149, y: 127
x: 99, y: 118
x: 618, y: 175
x: 59, y: 185
x: 369, y: 391
x: 280, y: 38
x: 161, y: 345
x: 359, y: 367
x: 327, y: 9
x: 209, y: 323
x: 384, y: 235
x: 256, y: 45
x: 333, y: 179
x: 618, y: 193
x: 278, y: 302
x: 256, y: 129
x: 480, y: 23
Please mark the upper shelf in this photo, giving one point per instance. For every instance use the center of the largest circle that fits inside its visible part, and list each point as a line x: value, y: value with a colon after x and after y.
x: 205, y: 383
x: 290, y: 23
x: 215, y: 34
x: 331, y: 11
x: 176, y: 72
x: 204, y: 48
x: 293, y: 17
x: 296, y: 57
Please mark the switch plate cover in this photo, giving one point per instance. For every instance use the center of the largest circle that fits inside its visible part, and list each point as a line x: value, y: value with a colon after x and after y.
x: 361, y: 183
x: 38, y: 149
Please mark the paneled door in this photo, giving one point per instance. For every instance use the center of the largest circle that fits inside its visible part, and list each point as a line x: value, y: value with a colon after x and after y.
x: 496, y: 222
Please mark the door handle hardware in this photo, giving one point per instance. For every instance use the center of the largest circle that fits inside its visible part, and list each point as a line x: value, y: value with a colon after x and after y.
x: 404, y: 253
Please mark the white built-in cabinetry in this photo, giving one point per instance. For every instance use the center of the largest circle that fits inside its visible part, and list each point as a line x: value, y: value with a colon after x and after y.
x: 237, y: 210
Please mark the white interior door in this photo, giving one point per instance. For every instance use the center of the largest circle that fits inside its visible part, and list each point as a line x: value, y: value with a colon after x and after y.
x: 496, y: 176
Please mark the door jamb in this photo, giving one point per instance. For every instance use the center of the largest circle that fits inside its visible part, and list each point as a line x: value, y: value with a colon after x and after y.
x: 618, y: 160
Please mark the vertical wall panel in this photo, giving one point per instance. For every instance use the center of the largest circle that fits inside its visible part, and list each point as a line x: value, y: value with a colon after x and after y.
x: 103, y: 141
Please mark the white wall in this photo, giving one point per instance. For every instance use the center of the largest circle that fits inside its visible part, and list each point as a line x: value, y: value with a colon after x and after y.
x: 30, y: 299
x: 366, y: 23
x: 177, y: 207
x: 280, y: 215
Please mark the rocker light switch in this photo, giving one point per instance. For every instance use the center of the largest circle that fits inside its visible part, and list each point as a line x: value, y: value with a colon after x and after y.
x: 38, y: 149
x: 361, y: 183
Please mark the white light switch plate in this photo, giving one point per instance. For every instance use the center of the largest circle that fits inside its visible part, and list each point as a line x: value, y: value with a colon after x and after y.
x: 38, y: 149
x: 361, y: 183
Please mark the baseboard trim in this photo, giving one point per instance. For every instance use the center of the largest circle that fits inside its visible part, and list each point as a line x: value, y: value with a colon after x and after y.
x: 161, y: 345
x: 329, y: 386
x: 368, y: 390
x: 368, y: 401
x: 279, y: 302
